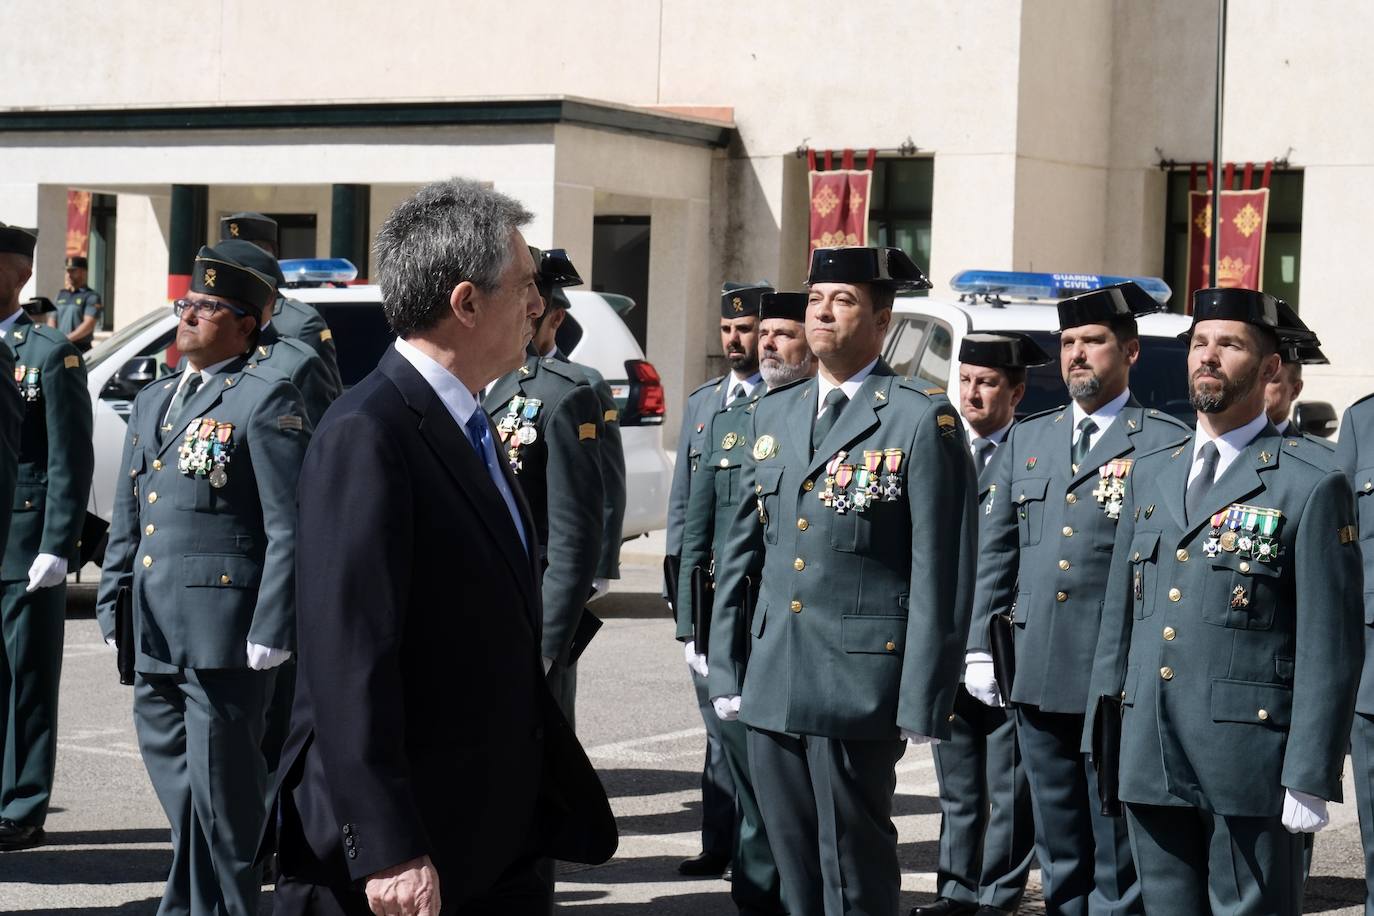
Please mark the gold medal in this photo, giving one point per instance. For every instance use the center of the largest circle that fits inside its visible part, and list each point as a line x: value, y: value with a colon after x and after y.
x: 730, y: 441
x: 765, y: 447
x: 1228, y: 541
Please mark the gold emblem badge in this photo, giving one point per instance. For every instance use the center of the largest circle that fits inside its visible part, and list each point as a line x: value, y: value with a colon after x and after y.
x: 210, y: 277
x: 737, y: 304
x: 586, y: 431
x: 234, y: 230
x: 765, y: 447
x: 730, y: 441
x: 1228, y: 541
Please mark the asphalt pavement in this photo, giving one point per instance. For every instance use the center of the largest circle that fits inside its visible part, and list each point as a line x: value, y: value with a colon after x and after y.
x: 108, y: 849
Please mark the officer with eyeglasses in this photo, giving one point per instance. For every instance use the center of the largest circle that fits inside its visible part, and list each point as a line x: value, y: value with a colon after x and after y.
x: 203, y: 535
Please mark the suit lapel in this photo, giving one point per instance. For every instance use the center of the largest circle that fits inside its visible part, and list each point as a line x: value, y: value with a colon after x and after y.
x: 1240, y: 481
x: 796, y: 438
x: 201, y: 403
x: 859, y: 417
x: 1116, y: 441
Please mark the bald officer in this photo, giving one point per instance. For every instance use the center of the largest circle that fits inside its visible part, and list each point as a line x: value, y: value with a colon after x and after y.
x: 860, y: 536
x: 1231, y: 634
x: 987, y: 830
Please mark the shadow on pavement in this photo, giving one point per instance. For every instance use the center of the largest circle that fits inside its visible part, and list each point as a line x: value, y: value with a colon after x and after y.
x: 634, y: 783
x: 134, y: 908
x: 108, y: 837
x: 903, y: 805
x: 686, y: 820
x: 696, y: 904
x: 90, y: 866
x: 629, y: 605
x: 1326, y: 893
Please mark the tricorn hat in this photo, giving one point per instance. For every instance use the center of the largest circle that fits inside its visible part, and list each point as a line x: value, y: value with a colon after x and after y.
x: 1003, y: 350
x: 1252, y: 307
x: 17, y: 240
x: 1110, y: 303
x: 887, y: 267
x: 791, y: 306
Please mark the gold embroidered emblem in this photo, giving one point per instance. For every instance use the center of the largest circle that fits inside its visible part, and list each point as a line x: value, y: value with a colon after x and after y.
x: 210, y: 277
x: 234, y: 230
x: 586, y: 431
x: 737, y: 304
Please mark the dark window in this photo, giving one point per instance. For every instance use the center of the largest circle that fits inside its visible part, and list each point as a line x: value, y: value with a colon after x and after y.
x: 295, y: 234
x: 1282, y: 243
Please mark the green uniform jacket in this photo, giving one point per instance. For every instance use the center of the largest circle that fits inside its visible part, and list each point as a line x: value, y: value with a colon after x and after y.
x: 1355, y: 457
x: 861, y: 618
x: 1045, y: 547
x: 560, y: 475
x: 714, y: 497
x: 294, y: 318
x: 211, y: 568
x: 302, y: 365
x: 1238, y: 673
x: 702, y: 404
x: 75, y: 306
x: 612, y: 472
x: 11, y: 421
x: 56, y: 459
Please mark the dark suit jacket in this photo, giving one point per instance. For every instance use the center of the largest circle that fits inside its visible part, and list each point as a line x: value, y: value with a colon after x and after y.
x: 421, y: 722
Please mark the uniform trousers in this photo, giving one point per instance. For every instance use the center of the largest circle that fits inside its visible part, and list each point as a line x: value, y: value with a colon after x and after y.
x: 827, y: 806
x: 30, y: 670
x: 200, y: 731
x: 1196, y: 863
x: 1362, y: 761
x: 987, y: 828
x: 1085, y: 856
x: 755, y: 886
x: 717, y: 788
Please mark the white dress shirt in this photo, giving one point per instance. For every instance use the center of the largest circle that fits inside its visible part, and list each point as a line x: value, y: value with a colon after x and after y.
x: 749, y: 384
x: 849, y: 386
x: 206, y: 374
x: 1229, y: 445
x: 460, y: 403
x: 1103, y: 416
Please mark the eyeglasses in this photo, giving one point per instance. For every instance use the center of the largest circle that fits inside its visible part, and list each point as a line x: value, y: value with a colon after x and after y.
x: 204, y: 308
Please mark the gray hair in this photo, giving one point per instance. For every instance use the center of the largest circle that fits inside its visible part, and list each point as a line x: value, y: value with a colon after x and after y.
x: 450, y: 231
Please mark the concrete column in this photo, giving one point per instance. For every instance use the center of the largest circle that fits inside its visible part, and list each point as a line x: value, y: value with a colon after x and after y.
x: 348, y: 225
x: 574, y: 216
x: 680, y: 302
x: 186, y: 234
x: 141, y: 255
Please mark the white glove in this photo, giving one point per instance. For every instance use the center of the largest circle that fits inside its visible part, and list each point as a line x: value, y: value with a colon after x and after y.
x: 727, y: 708
x: 980, y: 681
x: 111, y: 643
x: 599, y: 589
x: 548, y: 663
x: 1303, y: 813
x: 261, y: 658
x: 46, y: 571
x: 917, y: 738
x: 696, y: 662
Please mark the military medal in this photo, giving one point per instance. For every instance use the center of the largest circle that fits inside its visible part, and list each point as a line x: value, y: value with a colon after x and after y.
x: 841, y: 501
x: 1211, y: 546
x: 828, y: 494
x: 1239, y: 599
x: 730, y: 441
x: 218, y: 478
x: 765, y: 447
x: 873, y: 461
x: 26, y: 377
x: 1228, y: 541
x: 220, y: 448
x: 1111, y: 486
x: 860, y: 497
x: 892, y: 487
x: 526, y: 435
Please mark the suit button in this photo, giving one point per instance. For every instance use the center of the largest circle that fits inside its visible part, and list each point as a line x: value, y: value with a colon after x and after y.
x: 1064, y: 564
x: 1167, y: 673
x: 147, y: 561
x: 799, y: 564
x: 1175, y: 594
x: 1170, y: 633
x: 1071, y: 499
x: 157, y: 464
x: 796, y: 607
x: 353, y: 853
x: 152, y: 497
x: 225, y: 580
x: 1068, y: 532
x: 1182, y: 555
x: 891, y: 646
x: 1244, y: 566
x: 1061, y: 597
x: 149, y: 530
x: 1135, y: 557
x: 809, y: 485
x: 803, y: 524
x: 1263, y: 715
x: 348, y: 829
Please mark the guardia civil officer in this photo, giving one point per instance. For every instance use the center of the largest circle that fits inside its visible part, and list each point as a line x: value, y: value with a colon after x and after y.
x: 46, y: 463
x: 739, y: 332
x: 1287, y: 385
x: 784, y: 358
x: 291, y: 317
x: 203, y: 534
x: 1231, y: 634
x: 78, y: 306
x: 1043, y: 558
x: 861, y: 536
x: 987, y: 829
x: 549, y: 420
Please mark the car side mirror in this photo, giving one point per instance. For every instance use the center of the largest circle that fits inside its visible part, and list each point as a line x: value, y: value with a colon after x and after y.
x: 1315, y: 418
x: 131, y: 378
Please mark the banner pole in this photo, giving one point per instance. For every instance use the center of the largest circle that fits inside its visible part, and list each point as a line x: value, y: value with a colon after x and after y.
x: 1216, y: 140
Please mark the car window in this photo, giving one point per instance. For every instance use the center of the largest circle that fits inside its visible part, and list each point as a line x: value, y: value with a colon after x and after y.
x: 934, y: 365
x: 904, y: 343
x: 1159, y: 379
x: 361, y: 336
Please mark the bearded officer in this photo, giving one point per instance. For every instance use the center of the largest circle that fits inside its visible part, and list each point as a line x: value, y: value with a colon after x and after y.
x: 55, y: 462
x: 987, y: 829
x: 1231, y: 633
x: 291, y: 317
x: 739, y: 332
x: 78, y: 306
x: 784, y: 358
x: 1043, y: 559
x: 861, y: 537
x: 203, y: 534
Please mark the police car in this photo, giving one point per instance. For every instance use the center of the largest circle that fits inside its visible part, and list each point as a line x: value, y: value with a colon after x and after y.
x: 926, y: 333
x: 593, y: 333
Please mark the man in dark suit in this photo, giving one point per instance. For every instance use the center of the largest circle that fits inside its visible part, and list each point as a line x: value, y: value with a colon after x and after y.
x: 418, y: 599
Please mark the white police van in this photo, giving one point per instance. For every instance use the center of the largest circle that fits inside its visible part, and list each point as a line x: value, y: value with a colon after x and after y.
x: 593, y: 333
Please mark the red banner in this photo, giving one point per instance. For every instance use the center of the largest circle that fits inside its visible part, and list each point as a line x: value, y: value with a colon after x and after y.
x: 78, y: 223
x: 839, y: 203
x: 1244, y: 216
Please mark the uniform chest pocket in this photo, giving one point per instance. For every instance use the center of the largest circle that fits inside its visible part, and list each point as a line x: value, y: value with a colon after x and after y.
x: 1245, y: 599
x: 1028, y: 499
x: 195, y: 493
x: 727, y: 486
x: 766, y: 483
x: 1364, y: 497
x: 1144, y: 570
x: 693, y: 459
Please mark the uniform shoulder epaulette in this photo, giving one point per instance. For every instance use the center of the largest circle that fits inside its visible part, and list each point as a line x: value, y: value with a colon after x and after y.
x: 792, y: 384
x: 704, y: 386
x: 1043, y: 413
x: 1320, y: 442
x: 1367, y: 397
x: 563, y: 370
x: 51, y: 335
x: 1154, y: 413
x: 1169, y: 447
x: 1299, y: 447
x: 920, y: 386
x: 261, y: 372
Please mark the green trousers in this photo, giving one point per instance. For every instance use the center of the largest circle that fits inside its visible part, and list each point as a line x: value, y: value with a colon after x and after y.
x: 30, y: 671
x: 755, y: 887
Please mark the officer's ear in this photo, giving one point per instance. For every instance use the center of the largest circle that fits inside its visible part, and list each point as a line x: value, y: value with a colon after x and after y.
x: 462, y: 303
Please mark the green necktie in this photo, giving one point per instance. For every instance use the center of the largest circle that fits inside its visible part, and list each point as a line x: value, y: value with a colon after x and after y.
x: 183, y: 395
x: 834, y: 405
x: 1086, y: 428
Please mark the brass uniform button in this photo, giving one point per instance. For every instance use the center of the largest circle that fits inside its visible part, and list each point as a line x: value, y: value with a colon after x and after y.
x: 1068, y: 532
x: 891, y: 646
x: 157, y: 464
x: 1182, y: 555
x: 796, y: 607
x: 1170, y: 633
x: 1167, y: 673
x: 225, y: 580
x: 147, y: 561
x: 758, y: 488
x: 1244, y: 566
x: 951, y: 717
x: 149, y: 530
x: 725, y: 462
x: 1135, y: 557
x: 799, y: 564
x: 1368, y: 485
x: 1071, y: 499
x: 802, y: 524
x: 28, y: 504
x: 152, y: 497
x: 1063, y: 564
x: 1175, y: 594
x: 1263, y: 715
x: 1061, y: 597
x: 809, y: 485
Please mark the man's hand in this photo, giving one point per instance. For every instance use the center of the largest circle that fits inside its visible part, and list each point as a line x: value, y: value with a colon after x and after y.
x: 408, y: 889
x: 46, y: 571
x: 694, y: 661
x: 727, y: 707
x: 1303, y: 813
x: 980, y: 681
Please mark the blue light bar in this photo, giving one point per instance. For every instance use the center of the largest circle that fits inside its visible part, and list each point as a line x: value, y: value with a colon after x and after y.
x: 306, y: 271
x: 1022, y: 284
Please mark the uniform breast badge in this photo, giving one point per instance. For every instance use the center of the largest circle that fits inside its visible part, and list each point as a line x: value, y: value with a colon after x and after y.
x: 1111, y: 486
x: 27, y: 378
x: 206, y: 450
x: 892, y: 484
x: 827, y: 496
x: 1249, y: 531
x: 516, y: 428
x: 765, y: 447
x: 842, y: 502
x: 730, y: 440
